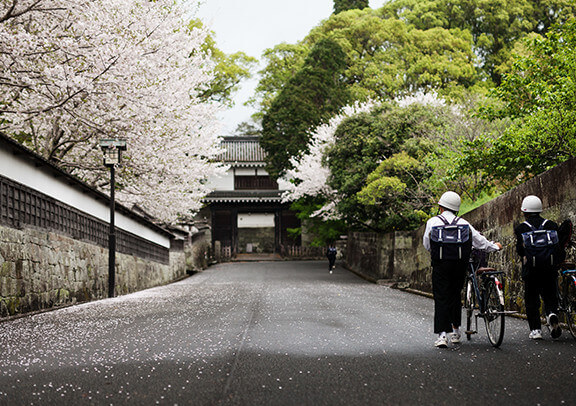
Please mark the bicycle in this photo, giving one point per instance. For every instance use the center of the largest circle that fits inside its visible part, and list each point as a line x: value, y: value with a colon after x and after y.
x: 484, y: 298
x: 567, y: 297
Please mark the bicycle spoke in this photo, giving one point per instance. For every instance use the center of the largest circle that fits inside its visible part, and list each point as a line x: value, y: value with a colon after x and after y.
x: 571, y: 308
x: 493, y: 314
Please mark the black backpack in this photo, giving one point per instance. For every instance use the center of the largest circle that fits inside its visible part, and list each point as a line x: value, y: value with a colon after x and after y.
x: 450, y: 241
x: 541, y: 246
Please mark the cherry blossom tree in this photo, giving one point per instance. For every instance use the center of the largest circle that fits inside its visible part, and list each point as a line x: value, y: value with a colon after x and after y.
x: 73, y: 72
x: 310, y: 174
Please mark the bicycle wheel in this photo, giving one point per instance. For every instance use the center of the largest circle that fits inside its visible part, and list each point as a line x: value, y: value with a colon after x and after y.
x: 570, y: 307
x: 493, y: 312
x: 469, y: 304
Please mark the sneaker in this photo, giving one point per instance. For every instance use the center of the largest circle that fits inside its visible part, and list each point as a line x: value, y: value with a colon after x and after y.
x: 441, y: 342
x: 455, y: 338
x: 555, y: 329
x: 535, y: 335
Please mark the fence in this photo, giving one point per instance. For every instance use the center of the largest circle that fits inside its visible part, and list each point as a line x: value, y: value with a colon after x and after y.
x: 294, y: 251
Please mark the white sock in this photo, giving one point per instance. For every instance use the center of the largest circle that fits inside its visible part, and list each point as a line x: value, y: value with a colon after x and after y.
x: 442, y: 335
x: 456, y: 330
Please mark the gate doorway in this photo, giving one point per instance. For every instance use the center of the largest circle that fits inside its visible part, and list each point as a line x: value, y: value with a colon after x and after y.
x: 256, y: 233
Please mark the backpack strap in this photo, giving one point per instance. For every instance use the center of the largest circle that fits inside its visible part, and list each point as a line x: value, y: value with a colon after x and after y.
x: 454, y: 222
x: 443, y: 219
x: 534, y: 228
x: 530, y: 225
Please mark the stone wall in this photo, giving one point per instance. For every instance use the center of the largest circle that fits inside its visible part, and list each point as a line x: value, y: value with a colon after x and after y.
x: 401, y: 257
x: 256, y: 240
x: 198, y: 252
x: 41, y: 270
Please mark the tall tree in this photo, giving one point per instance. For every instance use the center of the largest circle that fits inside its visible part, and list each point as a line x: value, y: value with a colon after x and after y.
x: 343, y: 5
x: 385, y: 57
x: 229, y: 69
x: 312, y: 96
x: 495, y: 25
x: 282, y: 63
x: 540, y: 93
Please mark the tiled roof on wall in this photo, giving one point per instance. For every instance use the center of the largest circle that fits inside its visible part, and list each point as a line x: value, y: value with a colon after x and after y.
x: 242, y: 151
x: 244, y: 196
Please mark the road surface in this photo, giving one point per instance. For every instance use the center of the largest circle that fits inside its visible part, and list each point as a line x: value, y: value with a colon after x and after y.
x: 271, y: 333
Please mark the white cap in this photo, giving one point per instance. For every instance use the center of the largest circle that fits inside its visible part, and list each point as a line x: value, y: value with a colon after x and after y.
x: 531, y: 204
x: 450, y: 201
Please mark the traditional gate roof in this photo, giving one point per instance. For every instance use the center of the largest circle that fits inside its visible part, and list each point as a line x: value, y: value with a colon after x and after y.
x: 243, y: 151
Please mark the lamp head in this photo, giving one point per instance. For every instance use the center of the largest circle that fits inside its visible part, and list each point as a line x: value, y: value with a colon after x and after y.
x: 112, y: 150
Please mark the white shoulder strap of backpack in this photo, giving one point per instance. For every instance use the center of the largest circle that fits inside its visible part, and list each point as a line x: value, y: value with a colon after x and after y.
x: 530, y: 225
x: 534, y: 228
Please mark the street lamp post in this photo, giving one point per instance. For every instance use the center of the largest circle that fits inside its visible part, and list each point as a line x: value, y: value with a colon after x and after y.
x: 112, y: 149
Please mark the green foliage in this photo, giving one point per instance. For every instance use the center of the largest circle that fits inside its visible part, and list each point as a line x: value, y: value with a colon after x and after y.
x: 282, y: 63
x: 323, y: 231
x: 495, y: 25
x: 380, y: 168
x: 248, y: 129
x: 387, y: 57
x: 540, y: 93
x: 312, y: 96
x: 464, y: 126
x: 448, y: 45
x: 389, y: 166
x: 229, y: 71
x: 396, y: 187
x: 344, y: 5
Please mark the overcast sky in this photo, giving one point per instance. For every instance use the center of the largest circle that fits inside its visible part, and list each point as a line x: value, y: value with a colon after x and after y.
x: 252, y: 26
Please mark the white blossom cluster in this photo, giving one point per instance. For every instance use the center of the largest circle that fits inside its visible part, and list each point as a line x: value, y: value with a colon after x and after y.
x: 423, y: 98
x: 73, y: 72
x: 309, y: 176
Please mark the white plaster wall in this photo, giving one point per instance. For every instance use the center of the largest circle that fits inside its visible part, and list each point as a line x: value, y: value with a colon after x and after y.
x: 23, y: 171
x: 255, y: 220
x: 245, y: 171
x: 224, y: 182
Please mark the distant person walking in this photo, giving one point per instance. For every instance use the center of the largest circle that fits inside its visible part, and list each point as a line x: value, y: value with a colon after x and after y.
x: 450, y: 240
x: 537, y: 243
x: 331, y: 255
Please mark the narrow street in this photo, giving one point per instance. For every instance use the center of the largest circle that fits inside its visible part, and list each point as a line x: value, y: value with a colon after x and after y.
x: 271, y: 333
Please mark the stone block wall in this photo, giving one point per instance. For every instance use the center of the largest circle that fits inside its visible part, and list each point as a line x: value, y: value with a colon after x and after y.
x: 401, y: 257
x: 41, y: 270
x: 198, y: 252
x: 256, y: 240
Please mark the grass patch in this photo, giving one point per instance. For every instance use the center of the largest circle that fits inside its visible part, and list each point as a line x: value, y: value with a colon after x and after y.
x: 469, y: 205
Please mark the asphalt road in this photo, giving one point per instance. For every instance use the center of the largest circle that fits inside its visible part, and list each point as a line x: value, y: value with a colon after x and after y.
x: 271, y: 333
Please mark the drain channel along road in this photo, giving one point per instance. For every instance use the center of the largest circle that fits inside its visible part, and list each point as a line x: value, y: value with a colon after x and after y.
x: 271, y: 333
